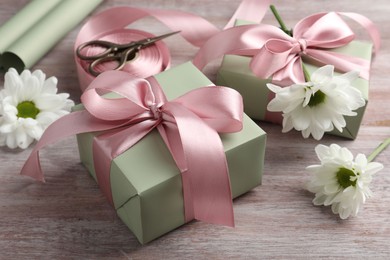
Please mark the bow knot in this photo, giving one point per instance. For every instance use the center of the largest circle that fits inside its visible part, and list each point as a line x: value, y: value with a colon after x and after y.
x: 314, y: 36
x: 279, y: 56
x: 302, y: 45
x: 156, y: 111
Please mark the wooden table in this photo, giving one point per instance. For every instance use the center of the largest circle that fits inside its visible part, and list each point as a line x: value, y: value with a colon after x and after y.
x: 68, y: 217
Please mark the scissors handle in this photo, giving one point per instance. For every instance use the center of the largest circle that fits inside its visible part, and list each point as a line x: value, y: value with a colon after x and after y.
x: 109, y: 47
x: 120, y: 58
x: 121, y: 53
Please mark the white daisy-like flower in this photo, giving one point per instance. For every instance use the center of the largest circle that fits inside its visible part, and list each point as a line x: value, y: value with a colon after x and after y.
x: 340, y: 180
x: 29, y: 103
x: 317, y: 106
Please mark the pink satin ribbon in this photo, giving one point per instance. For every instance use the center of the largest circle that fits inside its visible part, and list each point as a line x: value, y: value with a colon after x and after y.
x: 278, y: 55
x: 189, y: 125
x: 110, y: 25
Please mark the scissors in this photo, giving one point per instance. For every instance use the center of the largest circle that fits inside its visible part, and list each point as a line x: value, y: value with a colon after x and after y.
x: 115, y: 52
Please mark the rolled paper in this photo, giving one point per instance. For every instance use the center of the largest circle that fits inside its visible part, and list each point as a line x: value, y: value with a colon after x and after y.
x: 23, y: 21
x: 46, y: 32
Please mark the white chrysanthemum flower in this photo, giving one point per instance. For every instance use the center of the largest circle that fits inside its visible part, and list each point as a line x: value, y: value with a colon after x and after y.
x: 29, y: 103
x: 341, y: 180
x: 317, y: 106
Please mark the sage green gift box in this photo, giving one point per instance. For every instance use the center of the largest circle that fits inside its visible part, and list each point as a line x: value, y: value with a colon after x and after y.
x: 145, y: 181
x: 235, y: 73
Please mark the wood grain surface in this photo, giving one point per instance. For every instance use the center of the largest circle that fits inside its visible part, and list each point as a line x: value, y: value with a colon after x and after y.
x: 68, y: 217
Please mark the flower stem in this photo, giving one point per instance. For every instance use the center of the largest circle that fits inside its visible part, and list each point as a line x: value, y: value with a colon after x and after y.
x: 280, y: 21
x: 306, y: 73
x: 378, y: 150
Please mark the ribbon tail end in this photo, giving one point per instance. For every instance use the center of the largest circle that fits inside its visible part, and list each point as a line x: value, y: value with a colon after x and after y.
x: 32, y: 168
x: 37, y: 177
x: 227, y: 221
x: 224, y: 219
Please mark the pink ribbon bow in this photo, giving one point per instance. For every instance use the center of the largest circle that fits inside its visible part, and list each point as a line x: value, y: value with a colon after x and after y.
x: 189, y: 125
x: 278, y: 55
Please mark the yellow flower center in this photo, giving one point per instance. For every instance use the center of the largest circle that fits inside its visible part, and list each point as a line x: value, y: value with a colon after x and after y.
x: 344, y: 177
x: 317, y: 98
x: 27, y: 109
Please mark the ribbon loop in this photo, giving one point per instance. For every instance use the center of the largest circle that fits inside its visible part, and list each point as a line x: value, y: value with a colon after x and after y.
x: 130, y: 94
x: 156, y: 111
x: 324, y: 30
x: 302, y: 45
x: 276, y: 53
x: 211, y: 106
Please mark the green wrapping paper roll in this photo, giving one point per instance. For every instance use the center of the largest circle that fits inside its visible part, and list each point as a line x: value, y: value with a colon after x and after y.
x: 37, y: 39
x: 24, y: 20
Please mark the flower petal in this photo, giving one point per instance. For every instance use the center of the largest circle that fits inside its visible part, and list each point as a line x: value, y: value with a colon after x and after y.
x: 12, y: 83
x: 11, y: 141
x: 322, y: 151
x: 344, y: 212
x: 7, y: 128
x: 40, y: 76
x: 361, y: 160
x: 301, y: 118
x: 349, y: 76
x: 50, y: 86
x: 25, y: 76
x: 331, y: 188
x: 319, y: 199
x: 345, y: 154
x: 31, y: 89
x: 373, y: 167
x: 322, y: 74
x: 317, y: 132
x: 21, y: 139
x: 273, y: 88
x: 47, y: 102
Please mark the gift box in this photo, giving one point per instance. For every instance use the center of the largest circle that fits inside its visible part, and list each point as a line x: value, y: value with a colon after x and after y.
x: 146, y: 184
x: 236, y: 73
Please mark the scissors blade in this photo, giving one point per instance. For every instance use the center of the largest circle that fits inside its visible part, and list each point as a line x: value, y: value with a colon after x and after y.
x: 149, y: 41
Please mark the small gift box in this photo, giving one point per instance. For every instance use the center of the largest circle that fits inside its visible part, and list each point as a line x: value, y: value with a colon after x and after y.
x: 147, y: 186
x: 237, y: 71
